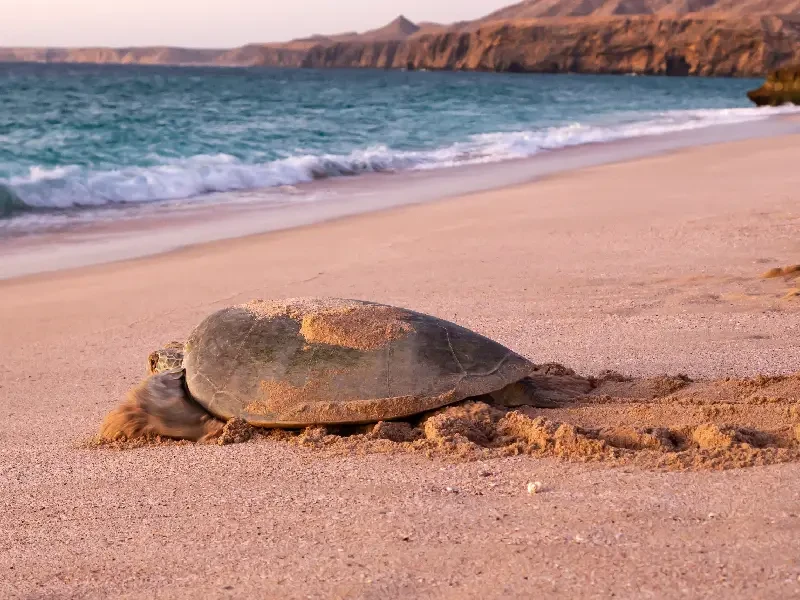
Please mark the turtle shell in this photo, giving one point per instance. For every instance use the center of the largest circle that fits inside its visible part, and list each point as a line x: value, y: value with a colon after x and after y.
x: 326, y: 361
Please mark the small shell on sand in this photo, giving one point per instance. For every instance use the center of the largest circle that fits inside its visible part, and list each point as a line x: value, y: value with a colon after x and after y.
x: 535, y: 487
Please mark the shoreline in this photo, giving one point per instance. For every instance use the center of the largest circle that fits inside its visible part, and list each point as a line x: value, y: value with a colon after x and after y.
x: 84, y: 245
x: 432, y: 69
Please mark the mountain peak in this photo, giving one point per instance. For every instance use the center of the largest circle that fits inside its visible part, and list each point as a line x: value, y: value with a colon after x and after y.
x: 400, y: 28
x: 402, y: 21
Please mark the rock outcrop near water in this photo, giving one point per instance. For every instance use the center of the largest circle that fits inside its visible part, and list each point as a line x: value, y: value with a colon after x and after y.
x: 670, y: 37
x: 781, y: 87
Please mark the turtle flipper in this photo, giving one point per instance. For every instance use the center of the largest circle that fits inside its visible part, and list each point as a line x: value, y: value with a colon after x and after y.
x: 160, y: 405
x: 523, y: 393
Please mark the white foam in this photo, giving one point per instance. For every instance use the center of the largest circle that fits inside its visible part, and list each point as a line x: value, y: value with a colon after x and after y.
x: 71, y: 186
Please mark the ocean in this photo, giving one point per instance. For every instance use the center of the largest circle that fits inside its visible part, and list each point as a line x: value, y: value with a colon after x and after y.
x: 79, y: 140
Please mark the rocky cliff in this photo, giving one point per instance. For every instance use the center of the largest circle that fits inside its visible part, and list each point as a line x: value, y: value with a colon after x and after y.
x: 641, y: 44
x: 672, y: 37
x: 536, y: 9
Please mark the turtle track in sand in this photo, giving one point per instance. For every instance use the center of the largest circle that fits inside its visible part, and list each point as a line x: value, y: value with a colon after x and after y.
x: 666, y: 423
x: 789, y: 273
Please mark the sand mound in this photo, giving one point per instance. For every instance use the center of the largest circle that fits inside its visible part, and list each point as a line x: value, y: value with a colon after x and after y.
x: 665, y: 422
x: 788, y: 273
x: 235, y: 431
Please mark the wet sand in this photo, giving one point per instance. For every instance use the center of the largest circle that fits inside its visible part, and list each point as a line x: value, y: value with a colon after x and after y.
x: 644, y: 268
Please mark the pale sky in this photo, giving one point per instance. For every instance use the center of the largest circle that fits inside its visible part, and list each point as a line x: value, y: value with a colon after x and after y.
x: 210, y: 23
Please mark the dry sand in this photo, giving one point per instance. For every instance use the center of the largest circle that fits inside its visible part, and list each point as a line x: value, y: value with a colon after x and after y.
x: 642, y: 268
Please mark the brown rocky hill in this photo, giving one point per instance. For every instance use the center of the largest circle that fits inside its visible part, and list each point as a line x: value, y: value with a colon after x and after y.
x: 641, y: 44
x: 537, y: 9
x: 399, y: 29
x: 672, y: 37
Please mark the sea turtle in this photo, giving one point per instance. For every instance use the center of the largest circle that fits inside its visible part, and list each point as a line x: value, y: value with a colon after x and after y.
x: 316, y: 361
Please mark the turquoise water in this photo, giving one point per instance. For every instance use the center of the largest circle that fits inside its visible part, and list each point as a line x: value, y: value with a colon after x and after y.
x: 91, y: 136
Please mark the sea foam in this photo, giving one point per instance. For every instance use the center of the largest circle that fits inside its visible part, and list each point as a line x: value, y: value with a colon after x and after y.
x: 67, y: 187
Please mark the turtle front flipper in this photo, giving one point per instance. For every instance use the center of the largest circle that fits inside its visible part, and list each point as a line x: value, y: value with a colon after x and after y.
x: 161, y: 406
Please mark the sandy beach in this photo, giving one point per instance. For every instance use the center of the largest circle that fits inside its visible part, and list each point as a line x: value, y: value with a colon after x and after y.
x: 646, y: 267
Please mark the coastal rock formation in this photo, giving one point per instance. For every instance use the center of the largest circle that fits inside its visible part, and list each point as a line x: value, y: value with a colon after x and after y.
x: 144, y: 56
x: 669, y: 37
x: 537, y: 9
x: 781, y: 87
x: 641, y: 44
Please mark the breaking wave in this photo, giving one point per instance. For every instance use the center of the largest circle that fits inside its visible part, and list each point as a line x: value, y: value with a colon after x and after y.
x: 67, y: 187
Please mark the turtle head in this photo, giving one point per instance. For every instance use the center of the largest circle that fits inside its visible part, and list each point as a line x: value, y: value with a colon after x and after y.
x: 168, y: 358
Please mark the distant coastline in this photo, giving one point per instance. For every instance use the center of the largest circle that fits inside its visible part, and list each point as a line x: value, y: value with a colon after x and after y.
x: 608, y: 37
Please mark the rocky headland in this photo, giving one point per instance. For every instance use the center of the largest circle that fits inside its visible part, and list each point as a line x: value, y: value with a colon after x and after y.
x: 650, y: 37
x: 781, y: 87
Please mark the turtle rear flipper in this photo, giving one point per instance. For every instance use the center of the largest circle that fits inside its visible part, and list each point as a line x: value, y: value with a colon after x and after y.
x: 523, y: 393
x: 160, y: 406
